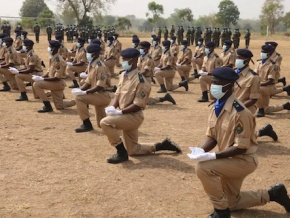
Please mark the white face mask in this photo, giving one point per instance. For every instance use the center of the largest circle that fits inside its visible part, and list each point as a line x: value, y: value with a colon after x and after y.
x: 74, y: 37
x: 49, y: 50
x: 207, y: 51
x: 22, y: 37
x: 154, y: 42
x: 4, y: 45
x: 240, y: 63
x: 224, y: 47
x: 125, y: 65
x: 171, y: 41
x: 108, y: 42
x: 89, y: 57
x: 1, y: 41
x: 114, y: 37
x: 133, y: 45
x: 264, y: 55
x: 163, y: 48
x: 142, y: 52
x: 199, y: 43
x: 24, y: 48
x: 217, y: 91
x: 78, y: 44
x: 183, y: 47
x: 89, y: 40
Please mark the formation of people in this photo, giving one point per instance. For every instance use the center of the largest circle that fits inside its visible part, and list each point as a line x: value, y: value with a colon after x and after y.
x: 239, y: 95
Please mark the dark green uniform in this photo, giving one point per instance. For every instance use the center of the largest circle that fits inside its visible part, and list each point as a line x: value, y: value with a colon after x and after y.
x: 36, y: 32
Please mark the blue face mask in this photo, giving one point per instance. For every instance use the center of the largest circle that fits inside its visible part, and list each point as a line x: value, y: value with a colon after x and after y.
x: 207, y: 51
x: 183, y: 47
x: 142, y: 52
x: 217, y: 91
x: 24, y: 48
x: 264, y: 55
x: 224, y: 47
x: 125, y: 65
x: 163, y: 48
x: 240, y: 63
x: 89, y: 57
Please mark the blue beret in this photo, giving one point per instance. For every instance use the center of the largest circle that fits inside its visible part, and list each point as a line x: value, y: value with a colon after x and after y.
x: 91, y: 37
x: 228, y: 42
x: 93, y: 48
x: 99, y: 34
x: 271, y: 43
x: 96, y: 41
x: 267, y: 48
x: 23, y: 32
x: 225, y: 73
x: 173, y: 37
x: 2, y: 35
x: 134, y: 36
x: 245, y: 53
x: 75, y: 34
x: 58, y: 37
x: 81, y: 40
x: 157, y: 39
x: 8, y: 39
x: 145, y: 44
x: 130, y: 53
x: 200, y: 39
x: 16, y: 31
x: 28, y: 42
x: 54, y: 43
x: 210, y: 44
x: 184, y: 42
x: 135, y: 39
x: 110, y: 38
x: 166, y: 43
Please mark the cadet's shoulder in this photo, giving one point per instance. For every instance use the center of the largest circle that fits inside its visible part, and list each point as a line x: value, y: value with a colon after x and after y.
x: 253, y: 72
x: 238, y: 106
x: 216, y: 55
x: 141, y: 78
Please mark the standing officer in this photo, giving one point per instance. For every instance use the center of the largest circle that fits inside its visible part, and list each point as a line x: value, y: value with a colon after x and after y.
x: 32, y: 67
x: 198, y: 34
x: 131, y: 98
x: 159, y: 32
x: 197, y: 59
x: 156, y: 51
x: 172, y: 31
x: 36, y: 32
x: 2, y: 48
x: 166, y: 71
x: 11, y: 60
x: 178, y: 35
x: 93, y: 90
x: 219, y: 36
x: 247, y: 38
x: 224, y: 36
x: 79, y: 64
x: 53, y: 80
x: 183, y: 64
x: 48, y: 32
x: 210, y: 62
x: 192, y: 35
x: 165, y: 33
x: 188, y: 35
x: 223, y: 172
x: 110, y: 55
x: 135, y: 42
x: 228, y: 55
x: 215, y: 37
x: 118, y: 46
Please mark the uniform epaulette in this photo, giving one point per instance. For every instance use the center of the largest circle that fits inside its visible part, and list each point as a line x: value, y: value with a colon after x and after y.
x: 216, y: 55
x: 141, y: 78
x: 99, y: 63
x: 253, y: 72
x: 149, y: 56
x: 237, y: 106
x: 57, y: 59
x: 259, y: 59
x: 273, y: 62
x: 30, y: 54
x: 278, y: 54
x: 10, y: 51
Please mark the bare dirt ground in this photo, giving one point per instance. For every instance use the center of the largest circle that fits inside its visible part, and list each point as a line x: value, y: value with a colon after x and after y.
x: 47, y: 170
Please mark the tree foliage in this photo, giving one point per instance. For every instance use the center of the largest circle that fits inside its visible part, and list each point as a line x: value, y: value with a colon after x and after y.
x: 32, y: 8
x: 45, y: 17
x: 272, y: 13
x: 228, y: 13
x: 286, y: 19
x: 155, y: 10
x: 185, y: 14
x: 123, y: 23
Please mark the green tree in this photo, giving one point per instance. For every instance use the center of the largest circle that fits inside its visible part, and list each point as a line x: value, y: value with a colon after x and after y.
x: 155, y: 10
x: 45, y: 17
x: 123, y: 23
x: 286, y: 19
x: 185, y: 14
x: 27, y: 23
x: 228, y: 13
x: 32, y: 8
x: 207, y: 21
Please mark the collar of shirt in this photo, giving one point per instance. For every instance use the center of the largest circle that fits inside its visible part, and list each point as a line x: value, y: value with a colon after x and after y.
x: 184, y: 49
x: 209, y: 54
x: 218, y: 106
x: 131, y: 73
x: 244, y: 70
x: 264, y: 60
x: 226, y: 51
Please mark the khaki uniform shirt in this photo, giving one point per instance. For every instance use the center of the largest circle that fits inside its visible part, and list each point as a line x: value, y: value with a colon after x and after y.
x: 80, y: 56
x: 110, y: 52
x: 133, y: 88
x: 156, y: 52
x: 277, y: 58
x: 235, y: 126
x: 211, y: 62
x: 74, y: 47
x: 174, y: 50
x: 268, y: 70
x: 18, y: 43
x: 63, y: 51
x: 2, y: 52
x: 199, y: 50
x: 229, y: 57
x: 57, y: 67
x: 168, y: 60
x: 33, y: 60
x: 98, y: 74
x: 12, y: 57
x: 146, y: 63
x: 118, y: 45
x: 186, y: 54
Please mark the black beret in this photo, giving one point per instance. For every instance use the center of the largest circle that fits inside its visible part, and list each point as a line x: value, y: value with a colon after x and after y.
x: 184, y: 42
x: 91, y: 37
x: 166, y: 43
x: 23, y: 32
x: 228, y: 42
x: 130, y: 53
x: 153, y: 36
x: 81, y: 40
x: 173, y: 37
x: 156, y: 39
x: 93, y: 48
x: 200, y: 39
x: 210, y: 44
x: 75, y: 34
x: 110, y: 38
x: 54, y: 43
x: 28, y: 42
x: 145, y: 44
x: 134, y: 36
x: 8, y: 39
x: 2, y: 35
x: 16, y: 31
x: 225, y: 73
x: 58, y: 37
x: 267, y: 48
x: 245, y: 53
x: 116, y: 34
x: 96, y: 41
x: 272, y: 43
x: 135, y: 39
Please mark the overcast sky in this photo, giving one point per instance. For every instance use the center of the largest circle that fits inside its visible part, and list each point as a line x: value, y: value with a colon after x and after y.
x: 250, y: 9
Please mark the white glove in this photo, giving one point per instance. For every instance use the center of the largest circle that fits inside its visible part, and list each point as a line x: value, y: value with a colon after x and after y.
x: 202, y: 73
x: 111, y: 110
x: 18, y: 52
x: 37, y: 78
x: 156, y: 68
x: 178, y: 65
x: 13, y: 70
x: 69, y: 51
x: 193, y: 58
x: 69, y: 63
x: 83, y: 75
x: 0, y: 65
x: 199, y: 154
x: 78, y: 91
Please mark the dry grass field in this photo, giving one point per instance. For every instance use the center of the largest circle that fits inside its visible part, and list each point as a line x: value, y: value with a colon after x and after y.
x: 47, y: 170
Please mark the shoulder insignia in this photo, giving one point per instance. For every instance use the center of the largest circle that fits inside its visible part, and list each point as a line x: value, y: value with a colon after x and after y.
x: 259, y: 59
x: 237, y: 106
x: 57, y: 59
x: 149, y: 56
x: 99, y: 63
x: 253, y: 72
x: 273, y: 62
x: 277, y: 54
x: 216, y: 55
x: 239, y: 127
x: 10, y: 51
x: 141, y: 78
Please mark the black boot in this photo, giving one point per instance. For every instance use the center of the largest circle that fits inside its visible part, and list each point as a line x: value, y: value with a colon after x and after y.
x: 287, y: 89
x: 153, y: 80
x: 85, y: 127
x: 282, y: 80
x: 120, y: 156
x: 167, y: 97
x: 47, y: 107
x: 75, y: 85
x: 6, y: 87
x: 162, y: 89
x: 268, y: 131
x: 220, y: 213
x: 194, y: 73
x: 167, y: 145
x: 184, y: 84
x: 23, y: 97
x: 204, y: 97
x: 286, y: 106
x: 28, y: 84
x: 182, y: 78
x: 278, y: 193
x: 261, y: 112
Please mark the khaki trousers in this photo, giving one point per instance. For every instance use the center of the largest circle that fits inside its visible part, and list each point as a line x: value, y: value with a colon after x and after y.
x: 118, y: 59
x: 99, y: 99
x: 70, y: 70
x: 111, y: 65
x: 56, y: 88
x: 129, y: 124
x: 184, y: 70
x: 264, y: 99
x: 156, y: 63
x: 277, y: 90
x: 222, y: 180
x: 205, y: 82
x: 20, y: 78
x: 153, y: 100
x: 197, y: 63
x: 168, y: 76
x: 8, y: 76
x: 69, y: 56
